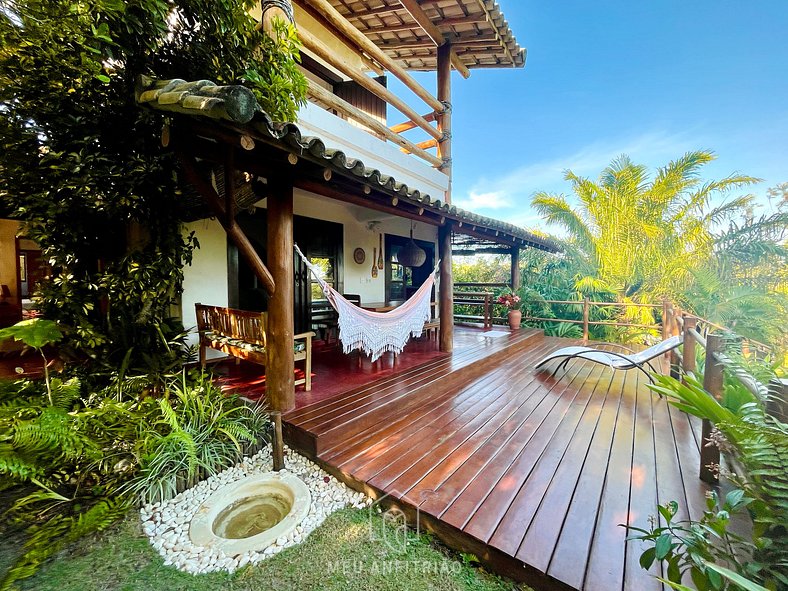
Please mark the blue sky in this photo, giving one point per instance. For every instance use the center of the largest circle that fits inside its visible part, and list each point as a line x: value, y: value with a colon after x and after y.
x: 652, y: 79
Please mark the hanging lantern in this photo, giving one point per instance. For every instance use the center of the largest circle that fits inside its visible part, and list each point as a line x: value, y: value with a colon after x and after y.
x: 411, y: 255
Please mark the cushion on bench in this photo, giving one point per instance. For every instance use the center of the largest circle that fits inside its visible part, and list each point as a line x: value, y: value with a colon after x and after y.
x: 298, y: 346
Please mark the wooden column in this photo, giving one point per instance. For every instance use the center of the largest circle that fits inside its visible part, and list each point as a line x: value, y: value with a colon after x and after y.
x: 515, y: 267
x: 586, y: 312
x: 279, y: 371
x: 444, y: 118
x: 688, y: 348
x: 712, y: 383
x: 446, y: 293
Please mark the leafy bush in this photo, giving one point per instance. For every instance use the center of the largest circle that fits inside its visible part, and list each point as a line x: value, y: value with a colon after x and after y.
x: 199, y: 431
x: 691, y: 547
x: 82, y: 165
x: 78, y: 461
x: 759, y: 444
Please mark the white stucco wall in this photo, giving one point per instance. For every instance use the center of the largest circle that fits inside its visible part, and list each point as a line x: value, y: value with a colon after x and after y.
x: 355, y: 220
x: 205, y: 280
x: 372, y: 151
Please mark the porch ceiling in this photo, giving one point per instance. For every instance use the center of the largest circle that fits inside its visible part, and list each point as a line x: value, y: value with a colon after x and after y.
x: 477, y: 29
x: 216, y: 117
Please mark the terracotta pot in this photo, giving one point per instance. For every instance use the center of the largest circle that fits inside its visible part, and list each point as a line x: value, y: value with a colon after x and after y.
x: 515, y: 317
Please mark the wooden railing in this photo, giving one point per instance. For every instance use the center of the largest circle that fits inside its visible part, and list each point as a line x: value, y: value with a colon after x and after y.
x: 586, y: 322
x: 378, y: 60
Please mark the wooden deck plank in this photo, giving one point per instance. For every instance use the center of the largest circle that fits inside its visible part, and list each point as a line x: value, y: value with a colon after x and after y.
x: 577, y: 503
x: 531, y: 473
x: 643, y: 491
x: 568, y: 441
x: 534, y: 464
x: 597, y: 534
x: 447, y: 374
x: 509, y: 385
x: 503, y: 475
x: 490, y: 463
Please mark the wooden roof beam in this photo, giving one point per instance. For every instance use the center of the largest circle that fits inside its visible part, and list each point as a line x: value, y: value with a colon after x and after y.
x: 313, y: 44
x: 381, y: 10
x: 434, y: 33
x: 346, y: 28
x: 346, y: 108
x: 408, y: 125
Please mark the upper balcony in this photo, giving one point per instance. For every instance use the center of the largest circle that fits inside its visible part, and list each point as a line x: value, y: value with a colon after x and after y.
x: 349, y: 47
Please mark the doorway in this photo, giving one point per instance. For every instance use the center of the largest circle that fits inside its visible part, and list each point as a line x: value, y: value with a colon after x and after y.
x: 319, y: 240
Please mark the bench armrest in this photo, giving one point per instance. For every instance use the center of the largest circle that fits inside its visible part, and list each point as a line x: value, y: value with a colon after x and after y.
x: 304, y: 335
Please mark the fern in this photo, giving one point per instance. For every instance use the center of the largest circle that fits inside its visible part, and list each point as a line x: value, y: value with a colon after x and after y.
x: 57, y: 533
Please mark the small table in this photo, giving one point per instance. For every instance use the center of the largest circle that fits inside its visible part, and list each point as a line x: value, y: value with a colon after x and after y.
x: 382, y: 306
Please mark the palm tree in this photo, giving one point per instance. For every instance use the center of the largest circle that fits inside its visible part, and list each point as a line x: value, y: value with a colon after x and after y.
x: 638, y: 238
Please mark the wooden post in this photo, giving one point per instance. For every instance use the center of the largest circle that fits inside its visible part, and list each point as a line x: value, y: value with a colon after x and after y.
x: 515, y: 268
x: 446, y: 293
x: 712, y: 383
x: 586, y: 310
x: 229, y: 187
x: 675, y: 360
x: 278, y: 443
x: 280, y: 368
x: 688, y: 349
x: 665, y: 321
x: 444, y: 118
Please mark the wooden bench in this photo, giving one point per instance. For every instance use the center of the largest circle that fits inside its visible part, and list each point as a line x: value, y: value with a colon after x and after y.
x: 483, y: 299
x: 242, y: 334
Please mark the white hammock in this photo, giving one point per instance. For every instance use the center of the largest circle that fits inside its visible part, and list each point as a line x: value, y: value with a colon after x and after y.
x: 377, y: 332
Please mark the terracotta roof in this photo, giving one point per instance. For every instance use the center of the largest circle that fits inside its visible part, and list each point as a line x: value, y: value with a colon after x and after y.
x: 184, y: 98
x: 477, y: 28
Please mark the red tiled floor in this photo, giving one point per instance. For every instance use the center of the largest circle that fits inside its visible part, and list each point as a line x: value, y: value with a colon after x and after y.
x: 334, y: 372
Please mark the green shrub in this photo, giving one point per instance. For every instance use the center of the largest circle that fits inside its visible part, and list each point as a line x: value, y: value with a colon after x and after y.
x: 197, y: 432
x: 759, y: 444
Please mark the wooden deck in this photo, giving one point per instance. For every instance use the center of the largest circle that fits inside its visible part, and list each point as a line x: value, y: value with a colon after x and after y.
x: 531, y: 473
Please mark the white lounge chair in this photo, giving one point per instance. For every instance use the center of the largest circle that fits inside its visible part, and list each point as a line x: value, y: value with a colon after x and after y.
x: 613, y: 359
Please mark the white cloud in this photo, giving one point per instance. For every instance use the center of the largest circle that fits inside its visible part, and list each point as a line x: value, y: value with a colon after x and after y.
x: 486, y: 200
x: 514, y: 189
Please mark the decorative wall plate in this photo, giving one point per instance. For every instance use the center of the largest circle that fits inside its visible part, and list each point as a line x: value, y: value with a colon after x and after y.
x: 359, y: 256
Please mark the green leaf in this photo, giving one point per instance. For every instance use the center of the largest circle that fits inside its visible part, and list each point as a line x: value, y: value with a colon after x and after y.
x: 674, y: 572
x: 734, y: 577
x: 102, y: 78
x: 647, y: 558
x: 663, y: 546
x: 34, y: 333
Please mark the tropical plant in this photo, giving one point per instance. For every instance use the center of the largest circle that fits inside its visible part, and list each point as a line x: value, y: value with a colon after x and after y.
x: 637, y: 237
x: 35, y: 333
x: 61, y: 457
x: 696, y: 548
x: 82, y: 166
x: 200, y: 431
x: 759, y: 444
x: 564, y: 330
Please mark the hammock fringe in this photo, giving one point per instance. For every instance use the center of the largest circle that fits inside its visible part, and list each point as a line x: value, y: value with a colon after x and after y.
x: 376, y: 333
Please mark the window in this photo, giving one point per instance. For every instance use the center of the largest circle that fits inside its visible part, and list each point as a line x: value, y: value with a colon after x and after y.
x: 400, y: 277
x: 327, y: 274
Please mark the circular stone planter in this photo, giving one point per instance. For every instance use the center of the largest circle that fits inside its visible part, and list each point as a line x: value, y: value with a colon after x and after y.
x: 167, y: 523
x: 250, y: 514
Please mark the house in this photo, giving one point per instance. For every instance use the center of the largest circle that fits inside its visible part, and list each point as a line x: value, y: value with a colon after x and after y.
x: 346, y: 182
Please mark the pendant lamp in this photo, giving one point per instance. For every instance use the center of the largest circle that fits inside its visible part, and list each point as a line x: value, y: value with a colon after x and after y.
x: 411, y: 255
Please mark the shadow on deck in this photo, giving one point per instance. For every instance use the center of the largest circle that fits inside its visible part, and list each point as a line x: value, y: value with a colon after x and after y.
x: 532, y: 474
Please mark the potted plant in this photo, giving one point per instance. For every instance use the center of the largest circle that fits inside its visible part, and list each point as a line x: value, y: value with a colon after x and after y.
x: 512, y: 302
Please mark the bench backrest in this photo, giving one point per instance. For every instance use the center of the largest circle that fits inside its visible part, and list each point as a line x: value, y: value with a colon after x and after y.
x: 247, y: 326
